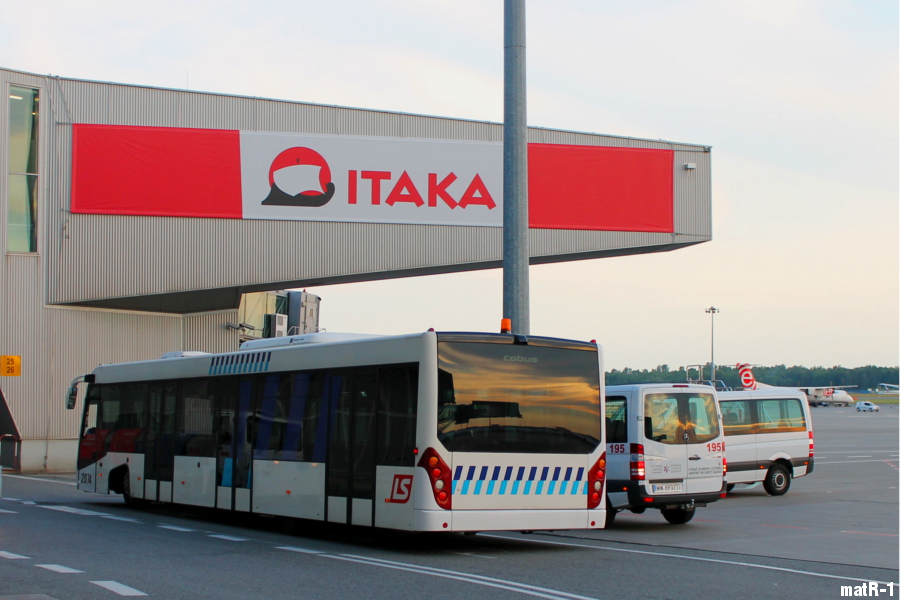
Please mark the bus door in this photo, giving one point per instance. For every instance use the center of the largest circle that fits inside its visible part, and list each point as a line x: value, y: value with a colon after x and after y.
x: 237, y: 469
x: 159, y: 446
x: 224, y: 415
x: 350, y: 474
x: 665, y: 451
x: 90, y: 445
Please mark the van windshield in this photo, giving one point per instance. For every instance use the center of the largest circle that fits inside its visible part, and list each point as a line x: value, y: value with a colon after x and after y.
x: 680, y: 418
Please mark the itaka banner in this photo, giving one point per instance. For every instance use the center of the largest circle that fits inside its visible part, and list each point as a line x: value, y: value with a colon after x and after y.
x: 210, y: 173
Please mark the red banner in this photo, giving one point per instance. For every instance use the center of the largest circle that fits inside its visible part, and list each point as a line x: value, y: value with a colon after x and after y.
x: 159, y: 171
x: 156, y: 171
x: 600, y: 188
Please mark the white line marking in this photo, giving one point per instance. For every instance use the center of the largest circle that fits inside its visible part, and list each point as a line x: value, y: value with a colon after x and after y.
x: 28, y: 502
x: 12, y: 556
x: 465, y: 577
x: 59, y: 569
x: 230, y: 538
x: 39, y: 479
x: 302, y: 550
x: 10, y: 499
x: 174, y: 528
x: 77, y: 511
x: 712, y: 560
x: 847, y: 462
x: 125, y: 519
x: 861, y: 456
x: 9, y: 512
x: 119, y: 588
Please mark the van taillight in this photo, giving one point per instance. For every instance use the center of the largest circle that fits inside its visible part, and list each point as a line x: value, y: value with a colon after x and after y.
x: 439, y: 476
x: 596, y: 477
x: 724, y: 466
x: 636, y: 465
x: 812, y: 444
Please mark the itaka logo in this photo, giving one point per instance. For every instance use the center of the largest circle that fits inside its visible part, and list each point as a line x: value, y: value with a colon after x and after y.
x: 293, y: 157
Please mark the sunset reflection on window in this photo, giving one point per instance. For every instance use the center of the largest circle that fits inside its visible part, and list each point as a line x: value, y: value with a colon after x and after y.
x: 516, y: 398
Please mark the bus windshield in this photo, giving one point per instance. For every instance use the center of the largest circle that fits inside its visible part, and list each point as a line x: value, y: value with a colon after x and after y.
x: 496, y: 397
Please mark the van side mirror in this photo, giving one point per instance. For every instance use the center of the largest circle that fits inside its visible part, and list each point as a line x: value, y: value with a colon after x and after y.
x: 73, y: 395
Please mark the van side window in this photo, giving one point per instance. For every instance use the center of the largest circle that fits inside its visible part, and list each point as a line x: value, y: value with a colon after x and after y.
x: 616, y: 419
x: 781, y: 415
x: 737, y: 418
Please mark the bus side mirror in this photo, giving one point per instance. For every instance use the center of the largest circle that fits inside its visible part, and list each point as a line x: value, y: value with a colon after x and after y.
x: 73, y: 395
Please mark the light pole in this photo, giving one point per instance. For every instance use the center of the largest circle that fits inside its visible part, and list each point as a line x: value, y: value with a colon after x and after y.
x: 712, y: 310
x: 516, y: 253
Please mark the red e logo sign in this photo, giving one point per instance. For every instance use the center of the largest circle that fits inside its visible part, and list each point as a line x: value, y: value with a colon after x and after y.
x: 400, y: 489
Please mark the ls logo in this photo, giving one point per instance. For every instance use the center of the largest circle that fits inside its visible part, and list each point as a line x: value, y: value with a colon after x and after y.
x: 401, y: 489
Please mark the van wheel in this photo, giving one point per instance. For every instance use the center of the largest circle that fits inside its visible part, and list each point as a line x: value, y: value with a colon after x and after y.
x: 728, y: 488
x: 610, y: 517
x: 778, y: 480
x: 677, y: 516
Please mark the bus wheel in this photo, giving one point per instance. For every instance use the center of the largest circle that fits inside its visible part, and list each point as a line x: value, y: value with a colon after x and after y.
x: 610, y: 517
x: 130, y: 501
x: 677, y: 516
x: 778, y: 480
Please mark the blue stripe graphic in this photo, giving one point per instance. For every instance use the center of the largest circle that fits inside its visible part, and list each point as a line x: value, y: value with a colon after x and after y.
x: 502, y: 480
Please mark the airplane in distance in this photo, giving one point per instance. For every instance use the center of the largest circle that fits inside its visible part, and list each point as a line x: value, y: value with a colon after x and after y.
x: 833, y: 395
x: 886, y: 388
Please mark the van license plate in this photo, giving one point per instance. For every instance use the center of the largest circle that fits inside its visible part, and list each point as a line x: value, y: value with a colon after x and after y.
x: 667, y: 487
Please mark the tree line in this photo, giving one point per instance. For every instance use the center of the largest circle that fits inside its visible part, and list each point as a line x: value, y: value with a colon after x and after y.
x: 780, y: 375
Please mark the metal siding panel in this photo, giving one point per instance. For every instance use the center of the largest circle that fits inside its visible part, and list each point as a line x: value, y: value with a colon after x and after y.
x: 23, y: 335
x: 208, y: 333
x: 84, y: 339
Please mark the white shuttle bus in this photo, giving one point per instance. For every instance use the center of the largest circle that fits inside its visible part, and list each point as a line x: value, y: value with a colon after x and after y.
x: 422, y: 432
x: 769, y: 437
x: 665, y: 449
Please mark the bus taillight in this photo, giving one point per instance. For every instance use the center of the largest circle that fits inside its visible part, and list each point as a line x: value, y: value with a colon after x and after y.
x: 812, y: 444
x: 636, y: 465
x: 596, y: 477
x: 439, y: 475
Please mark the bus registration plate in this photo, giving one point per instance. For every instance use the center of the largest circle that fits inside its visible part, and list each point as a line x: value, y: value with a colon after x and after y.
x: 667, y: 487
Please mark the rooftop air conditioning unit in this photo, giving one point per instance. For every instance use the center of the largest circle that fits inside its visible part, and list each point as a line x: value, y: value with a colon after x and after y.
x: 277, y: 325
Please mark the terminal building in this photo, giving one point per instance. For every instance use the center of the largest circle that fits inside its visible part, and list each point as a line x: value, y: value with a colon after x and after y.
x: 137, y: 221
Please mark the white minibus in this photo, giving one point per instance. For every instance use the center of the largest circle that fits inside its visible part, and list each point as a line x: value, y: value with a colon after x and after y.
x: 665, y: 449
x: 769, y: 437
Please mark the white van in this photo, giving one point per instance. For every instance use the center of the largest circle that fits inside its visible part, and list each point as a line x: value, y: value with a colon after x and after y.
x: 665, y: 449
x: 862, y: 405
x: 769, y: 437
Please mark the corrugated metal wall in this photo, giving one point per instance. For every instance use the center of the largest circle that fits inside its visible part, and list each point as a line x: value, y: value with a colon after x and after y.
x: 99, y: 257
x: 78, y: 340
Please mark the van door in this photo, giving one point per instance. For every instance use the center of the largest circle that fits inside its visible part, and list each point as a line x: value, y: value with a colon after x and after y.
x: 704, y: 442
x: 665, y: 451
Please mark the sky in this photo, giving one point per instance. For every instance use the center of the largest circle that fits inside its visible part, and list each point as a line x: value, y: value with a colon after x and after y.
x: 798, y: 99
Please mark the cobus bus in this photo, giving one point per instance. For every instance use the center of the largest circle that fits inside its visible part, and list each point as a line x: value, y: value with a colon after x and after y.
x: 422, y: 432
